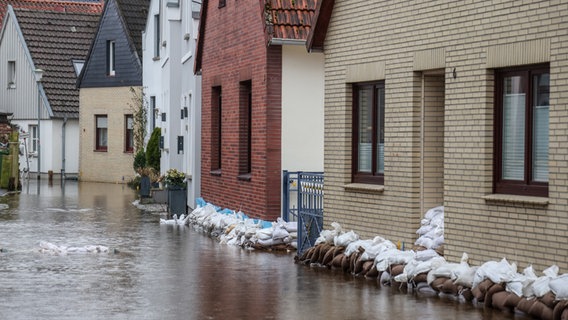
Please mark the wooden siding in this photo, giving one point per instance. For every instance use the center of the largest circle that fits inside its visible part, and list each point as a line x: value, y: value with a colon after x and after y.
x: 22, y: 100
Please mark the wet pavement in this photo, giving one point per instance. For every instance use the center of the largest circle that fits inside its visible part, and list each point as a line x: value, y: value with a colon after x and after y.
x: 158, y: 271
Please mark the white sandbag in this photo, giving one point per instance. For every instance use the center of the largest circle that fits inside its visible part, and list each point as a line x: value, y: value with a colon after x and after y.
x: 541, y: 286
x: 497, y: 272
x: 343, y: 240
x: 519, y: 283
x: 279, y: 233
x: 354, y: 246
x: 392, y: 256
x: 424, y: 242
x: 376, y: 246
x: 559, y: 286
x: 426, y: 255
x: 464, y: 277
x: 436, y: 211
x: 292, y: 226
x: 264, y: 234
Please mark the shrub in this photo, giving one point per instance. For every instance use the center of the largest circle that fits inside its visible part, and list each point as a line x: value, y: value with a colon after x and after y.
x: 153, y: 150
x: 139, y: 161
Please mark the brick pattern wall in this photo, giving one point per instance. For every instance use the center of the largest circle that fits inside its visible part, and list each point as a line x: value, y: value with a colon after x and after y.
x: 235, y: 51
x: 115, y: 165
x: 468, y: 37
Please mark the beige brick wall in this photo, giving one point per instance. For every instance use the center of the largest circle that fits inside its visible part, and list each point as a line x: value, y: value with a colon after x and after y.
x: 400, y: 40
x: 115, y: 165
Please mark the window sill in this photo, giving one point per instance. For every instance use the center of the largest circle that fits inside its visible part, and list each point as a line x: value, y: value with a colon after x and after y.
x: 515, y: 199
x: 100, y: 150
x: 156, y: 58
x: 244, y: 177
x: 363, y: 187
x: 216, y: 173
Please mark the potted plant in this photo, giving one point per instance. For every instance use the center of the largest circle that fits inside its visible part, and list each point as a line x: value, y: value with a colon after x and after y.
x: 177, y: 196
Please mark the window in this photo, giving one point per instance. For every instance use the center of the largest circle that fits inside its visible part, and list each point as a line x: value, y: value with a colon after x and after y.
x: 34, y: 139
x: 521, y: 131
x: 11, y: 74
x: 111, y: 57
x: 216, y: 130
x: 129, y: 133
x: 157, y: 36
x: 245, y: 128
x: 78, y: 66
x: 101, y: 138
x: 222, y: 3
x: 153, y: 110
x: 172, y: 3
x: 368, y: 133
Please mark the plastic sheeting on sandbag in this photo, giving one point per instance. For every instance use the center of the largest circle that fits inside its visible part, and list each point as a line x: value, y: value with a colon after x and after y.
x: 343, y: 240
x: 497, y: 272
x: 392, y: 256
x: 540, y: 286
x: 327, y: 236
x: 559, y: 286
x: 519, y: 284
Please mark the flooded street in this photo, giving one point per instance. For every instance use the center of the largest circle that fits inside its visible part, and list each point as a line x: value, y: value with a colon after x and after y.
x: 158, y: 271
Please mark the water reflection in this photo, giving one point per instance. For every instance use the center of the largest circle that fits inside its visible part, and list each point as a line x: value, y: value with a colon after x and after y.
x: 170, y: 272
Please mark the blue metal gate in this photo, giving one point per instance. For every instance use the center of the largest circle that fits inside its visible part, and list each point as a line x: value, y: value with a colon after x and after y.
x: 307, y: 187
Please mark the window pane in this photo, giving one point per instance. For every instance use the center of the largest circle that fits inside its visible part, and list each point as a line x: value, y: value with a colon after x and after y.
x: 380, y: 130
x: 101, y: 122
x: 365, y: 136
x: 102, y: 137
x: 513, y: 129
x: 541, y: 90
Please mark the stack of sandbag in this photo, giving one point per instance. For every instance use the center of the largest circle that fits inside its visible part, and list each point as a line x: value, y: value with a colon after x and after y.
x: 431, y: 231
x: 453, y: 278
x: 236, y: 228
x: 494, y: 284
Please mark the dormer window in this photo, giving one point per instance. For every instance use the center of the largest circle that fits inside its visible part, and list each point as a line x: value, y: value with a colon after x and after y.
x: 110, y: 57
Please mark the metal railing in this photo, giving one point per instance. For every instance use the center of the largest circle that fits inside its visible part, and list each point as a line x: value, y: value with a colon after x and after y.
x: 303, y: 202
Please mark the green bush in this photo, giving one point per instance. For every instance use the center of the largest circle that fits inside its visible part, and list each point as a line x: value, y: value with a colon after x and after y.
x: 139, y: 160
x: 153, y: 150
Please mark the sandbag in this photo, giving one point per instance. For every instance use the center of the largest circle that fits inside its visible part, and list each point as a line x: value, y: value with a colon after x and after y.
x: 372, y: 273
x: 559, y: 286
x: 512, y: 301
x: 560, y: 311
x: 525, y: 305
x: 336, y: 262
x: 499, y: 300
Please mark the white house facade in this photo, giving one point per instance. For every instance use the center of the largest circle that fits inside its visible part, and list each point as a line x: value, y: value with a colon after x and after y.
x: 172, y: 90
x: 51, y: 137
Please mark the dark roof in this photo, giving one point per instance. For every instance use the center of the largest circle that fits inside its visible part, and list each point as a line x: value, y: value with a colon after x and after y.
x: 318, y: 32
x: 135, y: 13
x: 288, y: 19
x: 88, y: 6
x: 54, y: 40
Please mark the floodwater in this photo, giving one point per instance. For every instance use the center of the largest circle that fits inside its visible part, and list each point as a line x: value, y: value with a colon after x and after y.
x: 158, y: 271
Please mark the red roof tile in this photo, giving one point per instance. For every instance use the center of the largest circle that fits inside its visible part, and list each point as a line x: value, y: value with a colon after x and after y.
x: 288, y: 19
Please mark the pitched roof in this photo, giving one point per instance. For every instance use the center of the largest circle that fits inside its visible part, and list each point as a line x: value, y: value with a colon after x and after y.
x: 284, y: 21
x: 54, y: 40
x: 288, y: 20
x: 318, y: 32
x: 87, y: 6
x: 135, y: 13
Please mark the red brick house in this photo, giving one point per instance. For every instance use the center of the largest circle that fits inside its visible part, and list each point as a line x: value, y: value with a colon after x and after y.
x: 240, y: 55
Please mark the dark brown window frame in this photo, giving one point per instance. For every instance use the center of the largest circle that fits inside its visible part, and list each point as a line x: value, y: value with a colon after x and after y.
x: 128, y: 134
x: 526, y: 187
x: 216, y: 129
x: 245, y: 129
x: 374, y: 177
x: 98, y: 146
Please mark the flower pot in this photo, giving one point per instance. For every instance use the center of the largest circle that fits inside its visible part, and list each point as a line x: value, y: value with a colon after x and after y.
x: 177, y: 201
